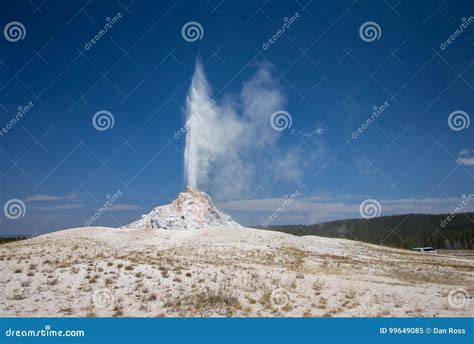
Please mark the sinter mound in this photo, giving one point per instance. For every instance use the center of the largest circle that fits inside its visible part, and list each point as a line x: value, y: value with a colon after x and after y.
x: 192, y: 209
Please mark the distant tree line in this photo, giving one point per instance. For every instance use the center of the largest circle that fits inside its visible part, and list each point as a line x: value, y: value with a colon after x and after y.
x: 6, y: 240
x: 399, y: 231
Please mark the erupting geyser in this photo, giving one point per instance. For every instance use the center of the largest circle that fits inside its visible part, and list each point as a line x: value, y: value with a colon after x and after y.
x: 197, y: 102
x: 222, y: 132
x: 218, y: 139
x: 210, y: 131
x: 192, y: 209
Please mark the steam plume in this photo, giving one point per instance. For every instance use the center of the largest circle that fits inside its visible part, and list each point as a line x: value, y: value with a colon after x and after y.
x: 220, y: 134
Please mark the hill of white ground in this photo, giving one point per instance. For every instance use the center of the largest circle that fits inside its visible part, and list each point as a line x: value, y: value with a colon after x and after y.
x: 225, y: 271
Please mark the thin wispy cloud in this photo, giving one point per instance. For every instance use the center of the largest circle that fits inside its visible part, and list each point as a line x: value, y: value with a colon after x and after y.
x: 466, y: 161
x: 319, y: 131
x: 42, y: 198
x: 48, y: 203
x: 59, y: 207
x: 465, y: 157
x: 47, y: 198
x: 123, y: 207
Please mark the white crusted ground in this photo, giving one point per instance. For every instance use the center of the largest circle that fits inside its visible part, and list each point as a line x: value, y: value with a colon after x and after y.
x: 224, y: 271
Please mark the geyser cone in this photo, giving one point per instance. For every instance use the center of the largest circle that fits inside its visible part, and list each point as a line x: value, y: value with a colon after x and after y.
x: 192, y: 209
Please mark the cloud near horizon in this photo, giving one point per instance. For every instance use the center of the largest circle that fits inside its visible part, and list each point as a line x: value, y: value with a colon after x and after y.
x: 46, y: 202
x: 58, y: 207
x: 309, y: 210
x: 123, y: 207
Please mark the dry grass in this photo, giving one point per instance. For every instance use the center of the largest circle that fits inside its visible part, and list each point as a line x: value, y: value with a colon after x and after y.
x: 118, y: 310
x: 90, y: 312
x: 20, y: 294
x: 210, y: 280
x: 211, y: 301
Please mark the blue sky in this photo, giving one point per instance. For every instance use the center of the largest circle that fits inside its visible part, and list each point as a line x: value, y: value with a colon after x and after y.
x: 409, y: 159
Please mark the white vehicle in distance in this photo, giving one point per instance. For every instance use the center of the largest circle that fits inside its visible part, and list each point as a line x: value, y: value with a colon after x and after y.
x: 425, y: 249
